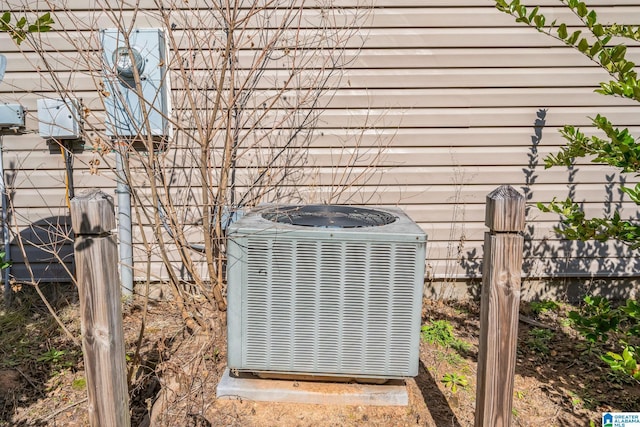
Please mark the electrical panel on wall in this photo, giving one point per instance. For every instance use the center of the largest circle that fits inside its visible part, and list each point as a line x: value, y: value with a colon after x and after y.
x: 132, y: 112
x: 11, y: 118
x: 59, y: 118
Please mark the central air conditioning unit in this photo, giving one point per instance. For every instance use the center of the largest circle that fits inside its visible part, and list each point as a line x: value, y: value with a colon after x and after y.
x: 325, y: 291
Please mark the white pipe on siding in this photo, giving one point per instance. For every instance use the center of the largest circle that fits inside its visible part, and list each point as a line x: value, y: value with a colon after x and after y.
x: 124, y: 227
x: 5, y: 227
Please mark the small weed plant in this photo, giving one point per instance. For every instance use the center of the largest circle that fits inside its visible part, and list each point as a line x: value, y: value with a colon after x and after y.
x: 461, y: 346
x: 79, y: 384
x: 539, y: 340
x: 454, y: 381
x: 440, y: 332
x: 543, y: 307
x: 58, y: 359
x: 618, y: 328
x: 452, y: 358
x: 52, y: 356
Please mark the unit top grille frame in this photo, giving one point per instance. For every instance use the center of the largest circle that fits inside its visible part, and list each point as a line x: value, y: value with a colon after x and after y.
x: 402, y: 229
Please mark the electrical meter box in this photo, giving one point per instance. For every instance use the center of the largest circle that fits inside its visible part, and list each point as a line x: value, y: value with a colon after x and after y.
x: 11, y: 117
x: 59, y: 118
x: 136, y: 83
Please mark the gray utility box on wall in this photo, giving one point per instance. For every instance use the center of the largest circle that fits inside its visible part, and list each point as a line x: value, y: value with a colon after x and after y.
x: 59, y: 119
x: 325, y: 290
x: 127, y: 111
x: 11, y: 117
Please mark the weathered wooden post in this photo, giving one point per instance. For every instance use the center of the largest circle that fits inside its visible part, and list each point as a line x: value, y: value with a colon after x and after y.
x: 92, y: 217
x: 500, y: 300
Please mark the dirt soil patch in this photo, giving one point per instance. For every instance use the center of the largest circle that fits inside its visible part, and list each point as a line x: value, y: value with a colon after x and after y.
x: 173, y: 382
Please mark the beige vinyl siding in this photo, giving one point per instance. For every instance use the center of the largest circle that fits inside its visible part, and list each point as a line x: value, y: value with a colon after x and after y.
x: 448, y: 93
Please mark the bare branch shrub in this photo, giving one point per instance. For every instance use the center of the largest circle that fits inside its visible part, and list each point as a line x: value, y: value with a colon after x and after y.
x: 249, y: 83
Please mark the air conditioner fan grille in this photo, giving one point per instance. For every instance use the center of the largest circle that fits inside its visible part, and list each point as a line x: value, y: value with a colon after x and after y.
x: 329, y: 216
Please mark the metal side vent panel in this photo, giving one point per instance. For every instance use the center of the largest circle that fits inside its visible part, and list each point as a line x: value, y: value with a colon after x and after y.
x: 331, y: 306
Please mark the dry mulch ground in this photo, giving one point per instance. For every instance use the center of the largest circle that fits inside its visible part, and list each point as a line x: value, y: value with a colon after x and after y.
x: 42, y: 379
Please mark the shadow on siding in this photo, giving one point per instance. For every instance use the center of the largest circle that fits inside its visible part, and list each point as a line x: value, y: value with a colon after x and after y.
x: 566, y: 269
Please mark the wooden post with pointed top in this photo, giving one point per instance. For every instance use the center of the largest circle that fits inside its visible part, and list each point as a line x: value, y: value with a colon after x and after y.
x: 500, y: 299
x: 93, y: 218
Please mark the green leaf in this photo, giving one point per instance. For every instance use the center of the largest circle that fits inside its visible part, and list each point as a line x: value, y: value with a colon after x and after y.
x: 574, y: 37
x: 633, y: 193
x: 582, y: 10
x: 562, y: 31
x: 614, y: 356
x: 591, y: 18
x: 514, y: 6
x: 45, y: 19
x: 597, y: 47
x: 583, y: 45
x: 628, y: 66
x: 6, y: 17
x: 618, y: 53
x: 597, y: 30
x: 542, y: 207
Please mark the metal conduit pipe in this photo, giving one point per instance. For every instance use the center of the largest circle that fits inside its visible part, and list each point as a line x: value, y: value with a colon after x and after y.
x: 124, y: 226
x: 5, y: 227
x: 3, y: 191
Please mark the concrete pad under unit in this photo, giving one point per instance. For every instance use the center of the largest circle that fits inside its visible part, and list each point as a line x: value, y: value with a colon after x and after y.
x: 250, y: 387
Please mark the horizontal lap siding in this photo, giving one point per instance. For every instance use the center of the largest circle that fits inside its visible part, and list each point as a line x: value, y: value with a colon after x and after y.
x: 449, y: 94
x: 485, y: 79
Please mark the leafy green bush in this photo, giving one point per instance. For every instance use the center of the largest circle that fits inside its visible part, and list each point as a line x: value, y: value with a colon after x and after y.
x: 615, y: 147
x: 601, y: 324
x: 19, y: 29
x: 596, y: 319
x: 605, y: 45
x: 625, y: 363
